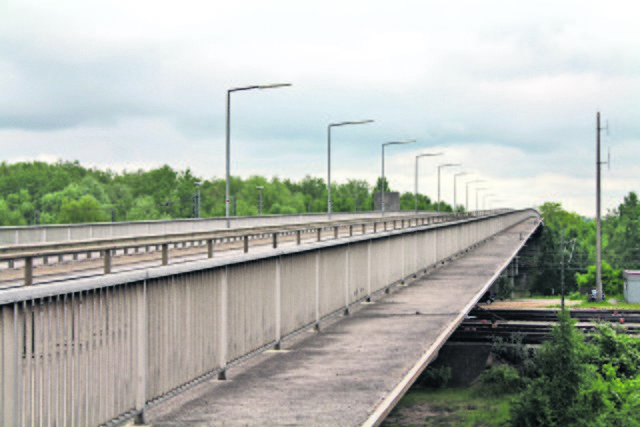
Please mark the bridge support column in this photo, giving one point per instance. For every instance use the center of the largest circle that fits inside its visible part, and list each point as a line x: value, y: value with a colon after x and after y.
x: 375, y: 227
x: 335, y: 232
x: 210, y: 243
x: 275, y: 240
x: 369, y: 271
x: 165, y: 253
x: 298, y: 238
x: 350, y: 230
x: 107, y: 261
x: 28, y: 271
x: 402, y: 224
x: 246, y: 244
x: 364, y: 228
x: 319, y: 234
x: 89, y: 255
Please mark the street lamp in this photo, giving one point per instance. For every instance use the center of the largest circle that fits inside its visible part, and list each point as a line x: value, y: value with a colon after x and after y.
x: 445, y: 165
x: 410, y: 141
x: 477, y: 191
x: 455, y: 189
x: 332, y: 125
x: 259, y: 188
x: 415, y: 196
x: 467, y: 192
x: 228, y: 144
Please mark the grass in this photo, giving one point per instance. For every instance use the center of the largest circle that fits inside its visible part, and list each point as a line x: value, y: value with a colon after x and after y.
x: 469, y: 407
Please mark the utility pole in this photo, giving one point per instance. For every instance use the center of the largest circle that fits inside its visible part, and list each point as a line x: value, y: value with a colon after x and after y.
x: 562, y: 268
x: 598, y: 221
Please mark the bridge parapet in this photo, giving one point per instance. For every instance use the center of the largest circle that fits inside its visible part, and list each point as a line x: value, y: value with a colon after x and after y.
x: 88, y: 351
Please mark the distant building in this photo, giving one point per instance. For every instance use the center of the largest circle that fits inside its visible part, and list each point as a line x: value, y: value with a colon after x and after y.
x: 632, y: 286
x: 391, y: 202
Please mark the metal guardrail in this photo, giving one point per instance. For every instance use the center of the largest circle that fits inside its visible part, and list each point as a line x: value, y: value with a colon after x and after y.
x: 107, y: 247
x: 16, y: 235
x: 93, y: 351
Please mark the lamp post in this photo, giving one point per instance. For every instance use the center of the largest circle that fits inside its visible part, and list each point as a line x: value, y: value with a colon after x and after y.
x: 259, y: 188
x: 228, y: 134
x: 478, y: 190
x: 332, y: 125
x: 415, y: 196
x: 445, y: 165
x: 410, y: 141
x: 455, y: 189
x: 467, y: 192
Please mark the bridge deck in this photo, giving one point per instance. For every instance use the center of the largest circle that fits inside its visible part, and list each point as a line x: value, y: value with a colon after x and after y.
x: 342, y: 375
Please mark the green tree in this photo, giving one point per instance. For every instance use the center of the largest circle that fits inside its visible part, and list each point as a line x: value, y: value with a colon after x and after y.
x: 612, y: 282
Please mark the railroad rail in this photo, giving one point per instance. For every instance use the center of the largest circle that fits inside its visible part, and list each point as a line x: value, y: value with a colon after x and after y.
x: 535, y: 326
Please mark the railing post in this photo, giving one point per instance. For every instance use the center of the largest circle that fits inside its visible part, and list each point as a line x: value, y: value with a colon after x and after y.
x: 369, y: 271
x: 209, y: 248
x: 165, y: 253
x: 141, y: 353
x: 350, y: 230
x: 107, y: 261
x: 335, y: 232
x: 346, y: 282
x: 246, y: 244
x: 223, y: 310
x: 319, y: 234
x: 375, y: 227
x: 275, y: 240
x: 278, y: 305
x: 10, y: 370
x: 298, y: 239
x: 364, y: 229
x: 317, y: 327
x: 28, y: 271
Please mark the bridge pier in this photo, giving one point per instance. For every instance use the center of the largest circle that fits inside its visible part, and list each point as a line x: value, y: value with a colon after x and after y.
x: 165, y: 253
x: 107, y: 261
x: 246, y: 244
x: 210, y: 243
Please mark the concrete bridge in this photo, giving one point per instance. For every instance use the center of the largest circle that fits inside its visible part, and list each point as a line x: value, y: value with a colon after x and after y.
x: 328, y: 333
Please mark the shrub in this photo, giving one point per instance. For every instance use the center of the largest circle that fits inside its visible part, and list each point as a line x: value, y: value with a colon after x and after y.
x: 502, y: 379
x: 435, y: 377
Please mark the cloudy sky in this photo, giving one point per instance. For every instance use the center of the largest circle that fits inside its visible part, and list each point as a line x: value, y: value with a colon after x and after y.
x: 509, y: 89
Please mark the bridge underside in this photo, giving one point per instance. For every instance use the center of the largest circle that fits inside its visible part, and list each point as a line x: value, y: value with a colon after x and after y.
x: 354, y: 370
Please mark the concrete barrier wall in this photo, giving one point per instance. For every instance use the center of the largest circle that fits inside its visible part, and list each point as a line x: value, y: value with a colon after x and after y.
x: 84, y: 352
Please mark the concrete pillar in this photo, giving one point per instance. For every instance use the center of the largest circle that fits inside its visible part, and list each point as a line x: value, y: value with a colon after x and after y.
x: 319, y: 234
x: 45, y: 259
x: 350, y: 230
x: 60, y: 258
x: 402, y: 224
x: 246, y: 244
x: 375, y: 227
x: 364, y: 228
x: 165, y: 253
x: 298, y: 238
x: 28, y: 271
x: 275, y: 240
x: 335, y: 232
x: 126, y: 251
x: 107, y: 261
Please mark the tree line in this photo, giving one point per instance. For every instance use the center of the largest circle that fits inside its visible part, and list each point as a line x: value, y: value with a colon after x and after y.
x: 68, y: 193
x: 569, y: 239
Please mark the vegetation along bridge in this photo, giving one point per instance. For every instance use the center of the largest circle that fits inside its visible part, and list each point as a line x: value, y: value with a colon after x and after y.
x: 331, y: 332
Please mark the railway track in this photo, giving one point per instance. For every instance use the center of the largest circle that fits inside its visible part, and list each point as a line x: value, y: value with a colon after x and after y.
x: 535, y: 326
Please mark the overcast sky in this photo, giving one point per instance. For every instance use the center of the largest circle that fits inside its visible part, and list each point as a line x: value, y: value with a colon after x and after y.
x: 510, y: 89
